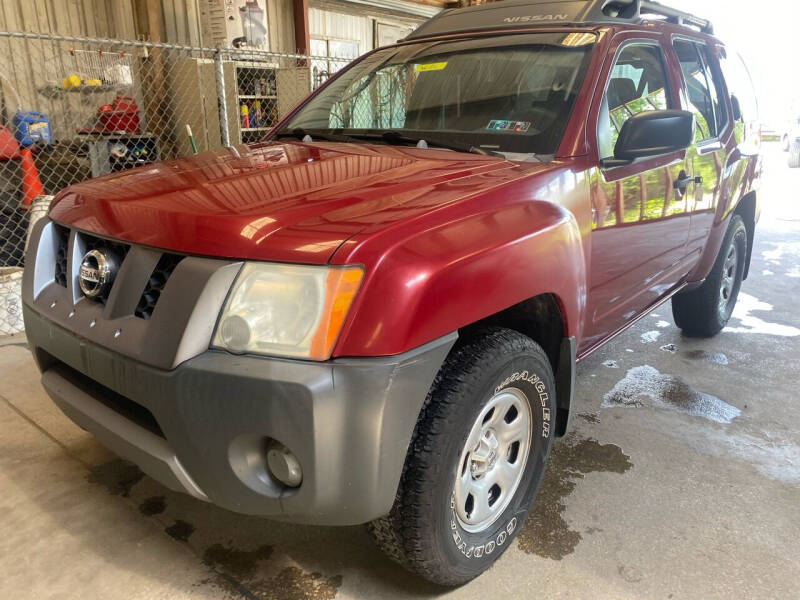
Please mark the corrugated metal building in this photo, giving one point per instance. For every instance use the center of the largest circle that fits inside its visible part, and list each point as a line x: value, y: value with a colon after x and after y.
x: 343, y: 26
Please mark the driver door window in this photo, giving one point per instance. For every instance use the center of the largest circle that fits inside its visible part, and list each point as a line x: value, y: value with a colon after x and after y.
x: 637, y: 84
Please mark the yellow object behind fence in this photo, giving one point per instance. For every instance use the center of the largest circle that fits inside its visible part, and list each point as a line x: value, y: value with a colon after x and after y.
x: 72, y: 81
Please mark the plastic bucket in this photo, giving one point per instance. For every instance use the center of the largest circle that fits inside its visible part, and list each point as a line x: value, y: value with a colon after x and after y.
x: 10, y: 301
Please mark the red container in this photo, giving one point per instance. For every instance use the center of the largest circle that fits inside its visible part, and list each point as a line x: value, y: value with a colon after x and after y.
x: 122, y: 115
x: 9, y: 148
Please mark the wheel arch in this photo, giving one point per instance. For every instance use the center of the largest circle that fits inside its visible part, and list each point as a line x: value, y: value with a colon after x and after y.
x: 541, y: 318
x: 746, y: 209
x: 447, y: 278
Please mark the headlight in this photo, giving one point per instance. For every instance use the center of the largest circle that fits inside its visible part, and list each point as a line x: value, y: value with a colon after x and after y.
x: 287, y: 310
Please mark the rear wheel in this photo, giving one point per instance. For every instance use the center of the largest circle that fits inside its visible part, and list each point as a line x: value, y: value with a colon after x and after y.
x: 476, y: 460
x: 704, y: 311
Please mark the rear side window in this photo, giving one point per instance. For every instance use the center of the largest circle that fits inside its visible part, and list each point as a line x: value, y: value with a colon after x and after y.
x: 739, y: 83
x: 638, y: 83
x: 705, y: 96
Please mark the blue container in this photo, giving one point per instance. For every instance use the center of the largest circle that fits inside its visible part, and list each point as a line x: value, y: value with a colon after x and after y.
x: 31, y: 127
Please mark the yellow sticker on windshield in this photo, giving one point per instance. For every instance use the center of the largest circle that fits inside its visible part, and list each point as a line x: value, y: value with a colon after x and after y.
x: 430, y: 67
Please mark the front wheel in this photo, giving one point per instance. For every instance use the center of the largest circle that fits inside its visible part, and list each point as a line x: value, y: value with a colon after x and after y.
x: 706, y: 310
x: 476, y: 459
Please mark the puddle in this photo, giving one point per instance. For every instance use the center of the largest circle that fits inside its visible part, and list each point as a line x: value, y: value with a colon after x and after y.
x: 153, y: 506
x: 117, y: 476
x: 772, y: 456
x: 662, y: 324
x: 180, y: 530
x: 794, y: 272
x: 650, y: 336
x: 747, y: 304
x: 767, y: 272
x: 546, y: 533
x: 295, y: 584
x: 611, y: 364
x: 713, y: 357
x: 238, y: 570
x: 669, y: 392
x: 589, y: 417
x: 241, y: 564
x: 671, y: 348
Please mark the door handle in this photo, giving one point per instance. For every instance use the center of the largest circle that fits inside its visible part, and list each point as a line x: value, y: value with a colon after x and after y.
x: 682, y: 182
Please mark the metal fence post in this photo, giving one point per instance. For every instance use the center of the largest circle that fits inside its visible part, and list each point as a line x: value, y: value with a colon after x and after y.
x: 223, y: 105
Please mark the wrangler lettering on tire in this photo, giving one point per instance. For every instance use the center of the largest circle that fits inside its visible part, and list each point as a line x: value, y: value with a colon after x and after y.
x: 476, y: 460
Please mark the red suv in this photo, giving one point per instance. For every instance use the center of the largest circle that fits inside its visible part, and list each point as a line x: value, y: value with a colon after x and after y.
x: 374, y: 315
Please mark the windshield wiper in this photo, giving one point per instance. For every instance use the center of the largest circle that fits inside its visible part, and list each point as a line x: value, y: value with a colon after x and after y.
x: 395, y: 137
x: 389, y: 137
x: 301, y: 134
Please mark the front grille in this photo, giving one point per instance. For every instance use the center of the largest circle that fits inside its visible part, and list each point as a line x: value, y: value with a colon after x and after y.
x: 155, y: 285
x: 120, y: 404
x: 116, y: 248
x: 85, y: 242
x: 62, y: 242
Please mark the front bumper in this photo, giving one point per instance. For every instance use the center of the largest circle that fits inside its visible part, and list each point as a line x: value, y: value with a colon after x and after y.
x: 201, y: 428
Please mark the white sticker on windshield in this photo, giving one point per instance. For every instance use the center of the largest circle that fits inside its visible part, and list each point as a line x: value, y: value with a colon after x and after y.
x: 514, y: 126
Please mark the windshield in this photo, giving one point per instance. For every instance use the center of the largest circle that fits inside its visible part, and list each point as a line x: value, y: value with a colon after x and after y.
x: 511, y: 94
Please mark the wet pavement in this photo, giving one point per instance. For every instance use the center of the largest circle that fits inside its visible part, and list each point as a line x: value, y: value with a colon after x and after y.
x: 680, y: 479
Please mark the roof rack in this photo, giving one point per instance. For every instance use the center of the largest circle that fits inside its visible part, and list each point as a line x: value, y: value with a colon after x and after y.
x: 526, y: 13
x: 676, y: 16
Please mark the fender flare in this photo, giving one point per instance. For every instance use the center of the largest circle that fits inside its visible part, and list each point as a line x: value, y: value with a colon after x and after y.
x: 436, y: 281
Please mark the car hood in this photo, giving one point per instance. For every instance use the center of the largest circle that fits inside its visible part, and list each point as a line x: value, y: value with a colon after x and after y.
x: 291, y: 202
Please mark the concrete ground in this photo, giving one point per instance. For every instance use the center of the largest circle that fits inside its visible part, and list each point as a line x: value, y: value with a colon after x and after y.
x: 680, y: 479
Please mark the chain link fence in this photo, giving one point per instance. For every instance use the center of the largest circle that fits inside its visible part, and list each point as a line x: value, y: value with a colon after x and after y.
x: 74, y: 108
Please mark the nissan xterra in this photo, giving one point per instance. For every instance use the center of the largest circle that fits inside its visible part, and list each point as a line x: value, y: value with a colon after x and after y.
x: 374, y: 314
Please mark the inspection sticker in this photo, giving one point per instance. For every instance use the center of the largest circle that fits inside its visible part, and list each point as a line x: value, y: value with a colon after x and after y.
x: 438, y: 66
x: 517, y: 126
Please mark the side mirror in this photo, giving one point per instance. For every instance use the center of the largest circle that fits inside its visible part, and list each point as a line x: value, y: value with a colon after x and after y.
x: 736, y: 108
x: 653, y: 133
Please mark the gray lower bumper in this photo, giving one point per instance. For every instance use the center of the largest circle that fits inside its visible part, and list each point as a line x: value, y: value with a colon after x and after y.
x: 349, y: 421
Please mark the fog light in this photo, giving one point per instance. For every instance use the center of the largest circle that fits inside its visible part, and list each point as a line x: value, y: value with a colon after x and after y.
x: 283, y: 465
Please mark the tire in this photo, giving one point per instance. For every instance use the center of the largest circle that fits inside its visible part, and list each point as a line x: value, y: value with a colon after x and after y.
x: 704, y: 311
x: 785, y: 145
x: 794, y: 156
x: 433, y: 529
